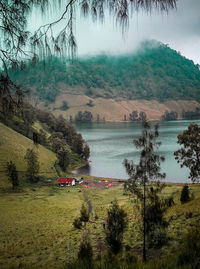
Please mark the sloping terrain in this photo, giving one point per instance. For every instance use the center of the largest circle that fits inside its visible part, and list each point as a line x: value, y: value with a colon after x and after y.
x: 114, y: 111
x: 13, y: 147
x: 155, y: 71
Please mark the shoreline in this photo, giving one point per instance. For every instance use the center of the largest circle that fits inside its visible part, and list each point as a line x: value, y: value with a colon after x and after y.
x: 97, y: 178
x: 90, y: 177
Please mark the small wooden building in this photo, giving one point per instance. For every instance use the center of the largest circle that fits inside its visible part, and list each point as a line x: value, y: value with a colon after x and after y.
x: 66, y: 181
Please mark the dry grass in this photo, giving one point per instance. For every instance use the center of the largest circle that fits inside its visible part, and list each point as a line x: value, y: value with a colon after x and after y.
x: 114, y: 110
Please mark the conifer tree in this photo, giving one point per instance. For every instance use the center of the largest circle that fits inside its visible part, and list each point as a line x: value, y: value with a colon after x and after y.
x: 12, y: 174
x: 33, y: 166
x: 148, y: 169
x: 117, y: 223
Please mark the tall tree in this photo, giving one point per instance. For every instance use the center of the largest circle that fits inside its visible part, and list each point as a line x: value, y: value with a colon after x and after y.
x: 189, y: 154
x: 12, y: 174
x: 86, y: 151
x: 63, y: 156
x: 148, y: 169
x: 33, y: 166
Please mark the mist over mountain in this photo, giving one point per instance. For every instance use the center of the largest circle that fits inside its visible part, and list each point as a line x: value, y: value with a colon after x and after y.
x: 154, y: 72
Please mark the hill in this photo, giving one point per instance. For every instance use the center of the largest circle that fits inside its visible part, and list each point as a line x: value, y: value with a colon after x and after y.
x: 114, y: 111
x: 58, y: 146
x: 13, y: 147
x: 154, y: 72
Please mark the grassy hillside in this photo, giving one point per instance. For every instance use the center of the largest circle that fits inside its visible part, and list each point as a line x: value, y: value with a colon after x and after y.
x: 154, y: 72
x: 13, y: 147
x: 43, y: 235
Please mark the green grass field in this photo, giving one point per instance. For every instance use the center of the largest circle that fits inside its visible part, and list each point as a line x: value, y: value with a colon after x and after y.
x: 37, y: 230
x: 36, y: 221
x: 13, y: 147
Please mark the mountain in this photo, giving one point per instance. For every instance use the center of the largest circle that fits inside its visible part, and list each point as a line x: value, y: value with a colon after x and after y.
x: 154, y: 72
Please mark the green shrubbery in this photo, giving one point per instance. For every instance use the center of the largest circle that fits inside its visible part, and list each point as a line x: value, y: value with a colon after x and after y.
x: 185, y: 195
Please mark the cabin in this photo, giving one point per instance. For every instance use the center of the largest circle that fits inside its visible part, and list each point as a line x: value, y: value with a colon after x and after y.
x: 66, y: 181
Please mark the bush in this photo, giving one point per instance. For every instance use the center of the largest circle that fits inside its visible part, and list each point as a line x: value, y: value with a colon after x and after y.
x: 185, y: 196
x: 188, y: 215
x: 33, y: 166
x: 158, y: 237
x: 84, y: 214
x: 77, y: 223
x: 116, y: 225
x: 12, y: 174
x: 189, y: 254
x: 85, y: 253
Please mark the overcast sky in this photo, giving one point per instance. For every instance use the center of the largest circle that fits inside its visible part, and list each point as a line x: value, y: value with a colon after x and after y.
x: 180, y: 29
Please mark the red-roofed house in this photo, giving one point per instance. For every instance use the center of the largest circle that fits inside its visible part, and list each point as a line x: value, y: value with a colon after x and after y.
x: 66, y: 181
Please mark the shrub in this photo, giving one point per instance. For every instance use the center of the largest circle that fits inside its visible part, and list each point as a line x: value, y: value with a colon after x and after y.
x: 85, y: 253
x: 158, y: 237
x: 33, y: 166
x: 115, y: 228
x: 84, y: 214
x: 188, y: 215
x: 12, y: 174
x: 189, y: 254
x: 77, y: 223
x: 185, y: 196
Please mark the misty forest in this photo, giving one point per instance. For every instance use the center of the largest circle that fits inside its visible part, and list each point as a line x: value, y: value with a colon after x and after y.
x: 99, y: 134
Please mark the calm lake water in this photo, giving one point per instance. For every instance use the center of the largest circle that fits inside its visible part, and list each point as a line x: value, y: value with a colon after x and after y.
x: 111, y: 143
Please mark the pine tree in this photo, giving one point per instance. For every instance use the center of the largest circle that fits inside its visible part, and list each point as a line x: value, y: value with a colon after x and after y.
x: 147, y: 169
x: 12, y: 174
x: 117, y: 224
x: 185, y: 196
x: 32, y: 165
x: 84, y: 213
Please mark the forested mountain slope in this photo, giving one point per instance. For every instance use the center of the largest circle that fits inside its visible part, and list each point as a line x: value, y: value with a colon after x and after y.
x: 154, y: 72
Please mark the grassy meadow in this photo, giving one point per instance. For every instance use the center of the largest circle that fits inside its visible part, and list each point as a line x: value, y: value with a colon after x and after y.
x: 36, y: 227
x: 36, y: 220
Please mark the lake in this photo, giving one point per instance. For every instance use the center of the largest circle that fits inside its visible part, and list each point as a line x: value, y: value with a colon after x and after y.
x: 111, y: 143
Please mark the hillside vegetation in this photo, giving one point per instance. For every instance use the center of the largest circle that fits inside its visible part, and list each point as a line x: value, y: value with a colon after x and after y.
x: 13, y: 147
x: 154, y: 72
x: 56, y: 144
x: 43, y: 235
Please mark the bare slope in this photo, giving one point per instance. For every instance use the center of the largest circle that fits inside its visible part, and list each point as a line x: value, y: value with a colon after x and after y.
x: 114, y: 110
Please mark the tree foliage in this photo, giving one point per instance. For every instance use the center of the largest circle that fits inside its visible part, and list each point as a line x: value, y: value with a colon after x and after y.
x: 17, y: 40
x: 85, y: 116
x: 156, y: 225
x: 147, y: 169
x: 12, y: 174
x: 155, y: 72
x: 117, y: 223
x: 18, y: 45
x: 33, y: 166
x: 172, y: 115
x: 191, y: 115
x: 63, y: 156
x: 84, y: 215
x: 85, y: 252
x: 189, y: 154
x: 185, y: 194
